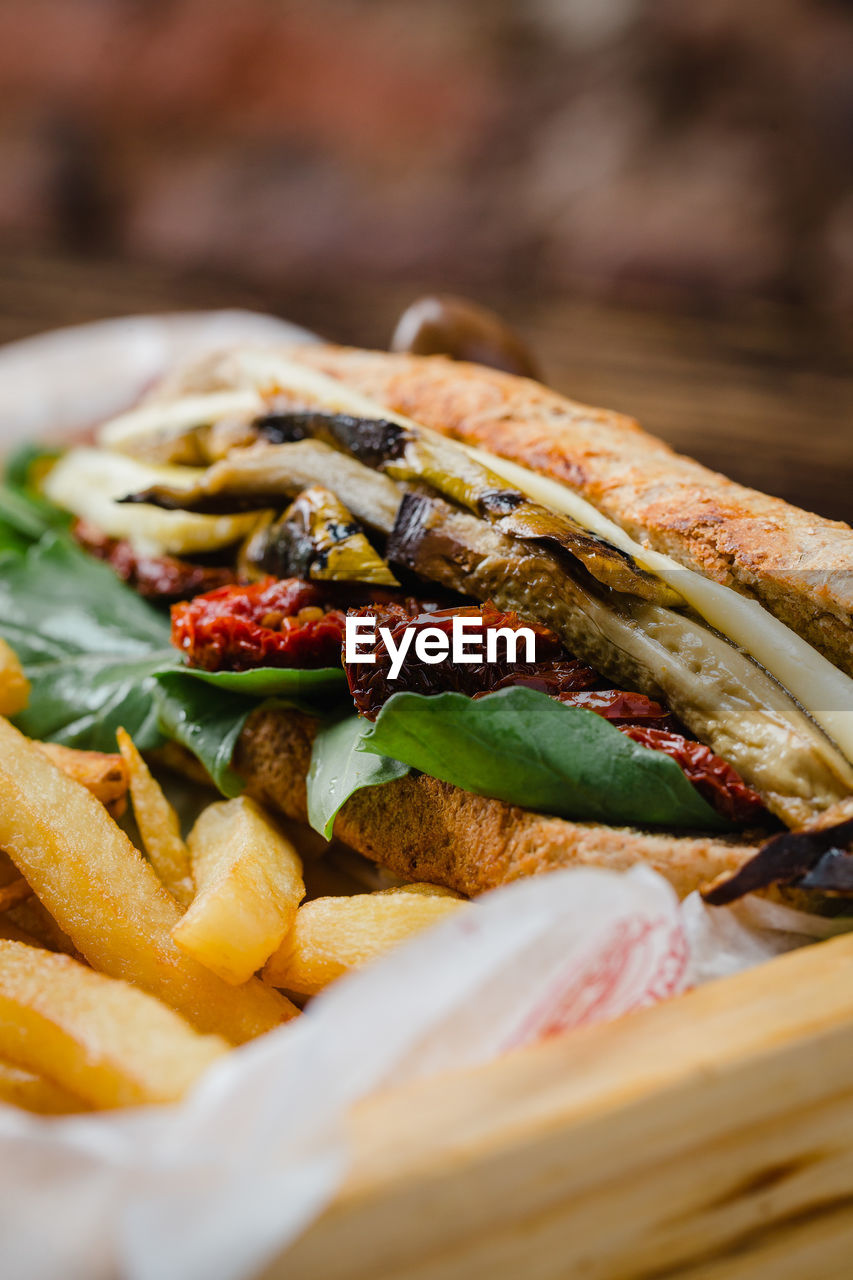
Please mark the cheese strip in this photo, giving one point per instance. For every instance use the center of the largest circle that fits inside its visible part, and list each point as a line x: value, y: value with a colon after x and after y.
x: 159, y: 420
x: 89, y: 482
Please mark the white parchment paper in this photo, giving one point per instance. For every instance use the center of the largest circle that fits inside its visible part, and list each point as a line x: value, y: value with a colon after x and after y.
x: 215, y: 1188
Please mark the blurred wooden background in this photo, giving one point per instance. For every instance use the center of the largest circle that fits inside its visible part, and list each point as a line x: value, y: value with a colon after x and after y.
x: 659, y: 195
x: 766, y: 397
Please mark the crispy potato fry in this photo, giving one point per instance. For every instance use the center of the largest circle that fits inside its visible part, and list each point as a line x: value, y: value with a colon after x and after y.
x: 158, y: 824
x: 38, y: 927
x: 30, y: 1092
x: 330, y: 936
x: 97, y: 1037
x: 14, y: 685
x: 249, y: 879
x: 13, y: 886
x: 108, y: 899
x: 424, y: 890
x: 103, y: 773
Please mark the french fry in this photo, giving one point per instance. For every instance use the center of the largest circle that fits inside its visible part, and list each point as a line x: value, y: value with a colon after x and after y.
x: 108, y: 899
x: 424, y: 890
x: 103, y: 773
x: 97, y: 1037
x: 13, y: 886
x: 249, y: 879
x: 14, y: 685
x: 30, y: 1092
x: 331, y: 936
x: 158, y: 824
x: 38, y: 927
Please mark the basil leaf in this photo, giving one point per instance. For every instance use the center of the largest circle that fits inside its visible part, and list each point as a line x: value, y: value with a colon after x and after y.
x: 206, y: 721
x: 28, y: 516
x: 12, y: 541
x: 339, y: 769
x: 523, y: 747
x: 58, y: 593
x: 21, y: 506
x: 88, y: 644
x: 82, y: 699
x: 316, y: 684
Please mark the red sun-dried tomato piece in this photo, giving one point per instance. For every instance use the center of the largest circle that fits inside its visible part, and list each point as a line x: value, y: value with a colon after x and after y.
x: 274, y: 623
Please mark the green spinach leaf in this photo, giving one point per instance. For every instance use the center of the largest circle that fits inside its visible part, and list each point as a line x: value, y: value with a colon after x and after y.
x: 339, y: 769
x: 314, y: 685
x: 523, y: 747
x: 205, y: 720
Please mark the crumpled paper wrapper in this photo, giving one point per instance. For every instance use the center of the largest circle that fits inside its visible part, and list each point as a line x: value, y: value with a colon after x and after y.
x: 220, y: 1185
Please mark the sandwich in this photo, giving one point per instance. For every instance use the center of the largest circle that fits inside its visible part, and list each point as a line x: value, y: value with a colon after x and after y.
x: 460, y: 624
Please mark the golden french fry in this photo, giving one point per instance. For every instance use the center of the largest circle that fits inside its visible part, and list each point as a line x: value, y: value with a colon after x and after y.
x: 103, y: 773
x: 97, y: 1037
x: 423, y: 890
x: 158, y: 824
x: 330, y: 936
x: 29, y: 1092
x: 249, y: 879
x: 108, y: 899
x: 13, y: 886
x: 14, y: 685
x: 38, y: 927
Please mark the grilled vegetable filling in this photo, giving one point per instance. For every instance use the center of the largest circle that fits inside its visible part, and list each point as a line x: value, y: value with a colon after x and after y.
x: 293, y: 623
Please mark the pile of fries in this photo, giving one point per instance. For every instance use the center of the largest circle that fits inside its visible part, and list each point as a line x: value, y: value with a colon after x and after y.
x: 124, y: 971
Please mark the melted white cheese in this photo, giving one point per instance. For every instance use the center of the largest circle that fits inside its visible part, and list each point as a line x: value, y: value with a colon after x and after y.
x: 163, y: 420
x: 88, y: 482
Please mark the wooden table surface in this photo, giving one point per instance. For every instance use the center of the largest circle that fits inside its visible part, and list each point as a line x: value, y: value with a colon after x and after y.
x: 766, y: 397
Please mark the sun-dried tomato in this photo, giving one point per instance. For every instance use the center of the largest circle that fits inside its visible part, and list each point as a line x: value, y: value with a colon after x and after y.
x: 274, y: 623
x: 164, y: 578
x: 713, y: 777
x: 552, y: 671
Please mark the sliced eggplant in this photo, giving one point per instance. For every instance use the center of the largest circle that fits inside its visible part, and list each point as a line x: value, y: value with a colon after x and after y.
x: 724, y: 697
x: 816, y: 860
x: 317, y: 538
x: 256, y: 477
x: 416, y: 454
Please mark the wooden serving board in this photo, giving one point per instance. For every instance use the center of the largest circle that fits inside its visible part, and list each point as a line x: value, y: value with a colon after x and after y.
x: 709, y: 1137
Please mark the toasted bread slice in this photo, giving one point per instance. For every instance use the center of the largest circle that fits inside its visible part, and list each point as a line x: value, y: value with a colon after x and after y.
x: 427, y: 830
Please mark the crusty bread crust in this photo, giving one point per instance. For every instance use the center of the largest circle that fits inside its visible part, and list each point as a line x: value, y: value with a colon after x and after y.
x: 423, y: 829
x: 800, y: 566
